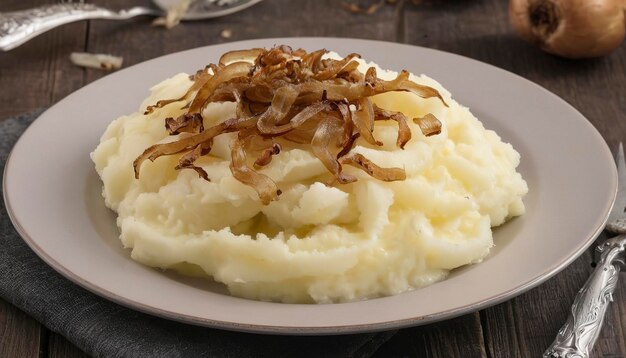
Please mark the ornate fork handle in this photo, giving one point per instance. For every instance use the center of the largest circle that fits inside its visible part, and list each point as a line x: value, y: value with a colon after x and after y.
x: 18, y: 27
x: 577, y: 337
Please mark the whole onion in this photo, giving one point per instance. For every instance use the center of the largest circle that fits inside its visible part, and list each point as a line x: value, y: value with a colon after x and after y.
x: 571, y: 28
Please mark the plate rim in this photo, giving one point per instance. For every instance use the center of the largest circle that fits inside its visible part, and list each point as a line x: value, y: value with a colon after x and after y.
x: 317, y: 330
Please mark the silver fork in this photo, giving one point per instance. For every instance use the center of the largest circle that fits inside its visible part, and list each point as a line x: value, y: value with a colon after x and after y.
x: 20, y: 26
x: 577, y: 337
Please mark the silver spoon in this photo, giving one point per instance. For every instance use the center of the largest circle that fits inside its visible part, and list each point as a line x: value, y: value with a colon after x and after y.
x: 18, y: 27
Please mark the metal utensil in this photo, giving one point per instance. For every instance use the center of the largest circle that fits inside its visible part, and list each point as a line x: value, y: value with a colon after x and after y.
x: 577, y: 337
x: 18, y: 27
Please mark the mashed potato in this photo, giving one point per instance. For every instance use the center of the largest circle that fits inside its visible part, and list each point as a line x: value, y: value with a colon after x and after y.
x: 317, y: 243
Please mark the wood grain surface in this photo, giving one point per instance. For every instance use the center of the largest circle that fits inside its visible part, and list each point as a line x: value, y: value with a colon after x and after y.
x: 38, y: 74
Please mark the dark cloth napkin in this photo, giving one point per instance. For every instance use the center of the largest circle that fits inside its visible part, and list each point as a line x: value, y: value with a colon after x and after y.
x: 104, y: 329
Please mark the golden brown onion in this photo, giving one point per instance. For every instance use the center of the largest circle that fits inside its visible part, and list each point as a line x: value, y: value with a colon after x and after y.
x: 284, y: 97
x: 266, y: 156
x: 297, y: 120
x: 320, y: 146
x: 200, y: 78
x: 186, y: 161
x: 264, y: 186
x: 233, y: 70
x: 291, y: 95
x: 185, y: 123
x: 384, y: 174
x: 363, y: 119
x: 186, y: 143
x: 404, y: 132
x: 429, y: 124
x: 571, y: 28
x: 240, y: 55
x: 336, y: 67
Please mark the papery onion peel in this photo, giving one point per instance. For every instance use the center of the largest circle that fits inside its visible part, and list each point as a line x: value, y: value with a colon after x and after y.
x: 571, y: 28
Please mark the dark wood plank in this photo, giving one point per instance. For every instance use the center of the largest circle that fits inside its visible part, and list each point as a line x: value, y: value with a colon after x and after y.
x: 276, y: 18
x: 459, y: 337
x: 499, y: 331
x: 19, y: 334
x: 35, y: 75
x: 525, y: 326
x: 480, y: 29
x: 39, y: 73
x: 59, y: 347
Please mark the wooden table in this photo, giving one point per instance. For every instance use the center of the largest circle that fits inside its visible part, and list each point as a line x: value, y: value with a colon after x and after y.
x: 39, y: 74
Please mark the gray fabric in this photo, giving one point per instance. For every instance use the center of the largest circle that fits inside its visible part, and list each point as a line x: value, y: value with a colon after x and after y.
x: 105, y: 329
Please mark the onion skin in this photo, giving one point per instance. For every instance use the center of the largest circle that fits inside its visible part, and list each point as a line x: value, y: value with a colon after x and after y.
x: 571, y: 28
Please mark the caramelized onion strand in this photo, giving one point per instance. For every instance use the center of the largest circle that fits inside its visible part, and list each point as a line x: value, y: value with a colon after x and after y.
x: 384, y: 174
x: 290, y: 95
x: 262, y: 184
x: 320, y: 146
x: 429, y: 124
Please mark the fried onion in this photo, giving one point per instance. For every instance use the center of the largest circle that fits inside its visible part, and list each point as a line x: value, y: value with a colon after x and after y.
x: 296, y: 96
x: 429, y: 124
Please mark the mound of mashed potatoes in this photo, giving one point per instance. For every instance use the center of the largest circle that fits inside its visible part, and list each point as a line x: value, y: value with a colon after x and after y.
x: 317, y: 243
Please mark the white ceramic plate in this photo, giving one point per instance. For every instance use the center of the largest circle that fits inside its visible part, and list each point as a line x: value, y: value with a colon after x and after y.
x: 53, y: 196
